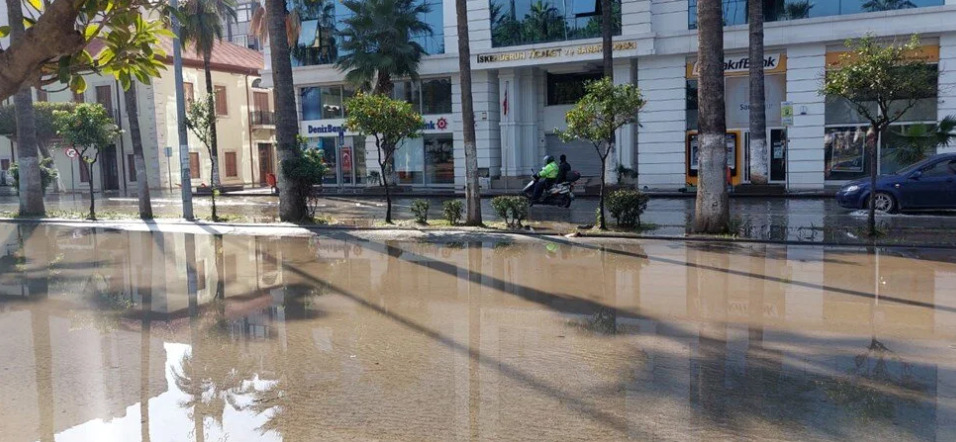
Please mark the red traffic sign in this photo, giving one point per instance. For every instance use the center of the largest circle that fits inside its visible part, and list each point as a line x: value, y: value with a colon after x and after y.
x: 72, y: 153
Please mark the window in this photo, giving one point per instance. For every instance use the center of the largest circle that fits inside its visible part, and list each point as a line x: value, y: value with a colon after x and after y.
x: 331, y: 100
x: 222, y: 108
x: 194, y: 165
x: 942, y: 168
x: 103, y: 96
x: 78, y: 97
x: 232, y: 169
x: 519, y: 22
x: 261, y: 101
x: 735, y: 11
x: 131, y: 167
x: 436, y: 96
x: 42, y: 95
x: 188, y: 93
x: 311, y: 103
x: 409, y: 91
x: 568, y: 88
x: 428, y: 160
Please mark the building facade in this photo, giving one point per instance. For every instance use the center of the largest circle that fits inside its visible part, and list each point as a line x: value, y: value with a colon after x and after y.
x: 530, y: 62
x: 245, y: 127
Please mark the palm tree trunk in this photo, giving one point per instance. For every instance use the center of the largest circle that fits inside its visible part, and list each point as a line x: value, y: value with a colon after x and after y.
x: 758, y: 108
x: 292, y: 205
x: 142, y: 181
x: 89, y: 168
x: 472, y: 191
x: 213, y: 137
x: 607, y: 31
x: 601, y: 223
x: 388, y: 195
x: 712, y: 211
x: 31, y: 185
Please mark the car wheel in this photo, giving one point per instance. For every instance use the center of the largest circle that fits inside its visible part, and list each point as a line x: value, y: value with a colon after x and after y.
x: 884, y: 202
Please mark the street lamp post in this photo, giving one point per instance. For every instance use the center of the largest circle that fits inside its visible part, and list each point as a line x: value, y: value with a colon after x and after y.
x: 185, y: 180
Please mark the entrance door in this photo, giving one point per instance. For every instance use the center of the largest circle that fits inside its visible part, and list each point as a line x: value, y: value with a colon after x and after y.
x: 109, y: 169
x: 329, y: 153
x: 778, y: 155
x: 265, y: 162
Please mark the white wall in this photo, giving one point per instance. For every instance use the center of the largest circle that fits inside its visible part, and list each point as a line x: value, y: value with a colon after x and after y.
x: 947, y: 78
x: 804, y: 73
x: 660, y: 140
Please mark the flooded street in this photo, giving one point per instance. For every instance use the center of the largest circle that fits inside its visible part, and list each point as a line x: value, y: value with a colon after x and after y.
x: 126, y: 336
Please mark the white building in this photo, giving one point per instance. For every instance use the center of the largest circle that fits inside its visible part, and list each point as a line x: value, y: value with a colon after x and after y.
x: 526, y: 75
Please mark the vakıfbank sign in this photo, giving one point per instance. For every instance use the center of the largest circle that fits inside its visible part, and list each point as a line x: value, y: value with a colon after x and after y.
x: 537, y: 54
x: 740, y: 65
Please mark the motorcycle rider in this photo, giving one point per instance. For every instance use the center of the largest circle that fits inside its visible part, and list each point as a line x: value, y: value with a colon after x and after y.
x: 546, y: 177
x: 563, y: 168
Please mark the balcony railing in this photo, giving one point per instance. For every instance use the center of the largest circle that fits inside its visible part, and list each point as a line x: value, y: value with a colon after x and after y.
x: 262, y: 118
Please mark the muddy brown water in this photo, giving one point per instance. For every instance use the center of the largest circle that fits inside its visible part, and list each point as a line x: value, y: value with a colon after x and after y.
x: 124, y: 336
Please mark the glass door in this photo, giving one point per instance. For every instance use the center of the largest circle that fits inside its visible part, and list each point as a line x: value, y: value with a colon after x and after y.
x: 328, y: 147
x: 778, y: 155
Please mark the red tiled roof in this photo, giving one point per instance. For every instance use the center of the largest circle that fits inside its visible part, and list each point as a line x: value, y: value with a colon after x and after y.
x: 226, y: 57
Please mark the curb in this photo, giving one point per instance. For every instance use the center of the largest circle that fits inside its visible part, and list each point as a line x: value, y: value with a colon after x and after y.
x: 333, y: 228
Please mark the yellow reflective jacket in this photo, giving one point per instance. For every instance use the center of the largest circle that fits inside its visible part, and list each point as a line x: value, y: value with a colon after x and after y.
x: 549, y: 171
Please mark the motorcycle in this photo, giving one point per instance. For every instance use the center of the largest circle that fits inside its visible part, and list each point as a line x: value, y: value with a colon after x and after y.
x: 558, y: 194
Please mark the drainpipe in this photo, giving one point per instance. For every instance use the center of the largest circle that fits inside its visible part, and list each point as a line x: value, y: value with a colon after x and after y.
x: 119, y: 122
x: 252, y: 167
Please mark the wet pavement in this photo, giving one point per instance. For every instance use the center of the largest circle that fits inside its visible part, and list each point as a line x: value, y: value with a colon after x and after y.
x: 124, y: 336
x: 811, y: 220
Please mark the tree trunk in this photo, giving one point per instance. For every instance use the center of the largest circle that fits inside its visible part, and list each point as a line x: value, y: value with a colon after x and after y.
x: 607, y: 32
x: 142, y: 181
x: 712, y: 210
x: 146, y: 292
x: 214, y: 159
x: 30, y: 185
x: 213, y: 137
x: 602, y: 224
x: 871, y: 143
x: 472, y: 191
x: 89, y: 169
x: 292, y: 205
x: 388, y: 195
x: 758, y: 107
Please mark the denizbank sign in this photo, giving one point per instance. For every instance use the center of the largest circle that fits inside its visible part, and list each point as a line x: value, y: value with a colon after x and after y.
x: 438, y: 124
x: 740, y: 65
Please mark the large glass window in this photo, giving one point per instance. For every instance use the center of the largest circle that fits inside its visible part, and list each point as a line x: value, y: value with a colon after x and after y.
x: 847, y: 136
x: 323, y: 20
x: 568, y: 88
x: 428, y: 97
x: 311, y: 103
x: 517, y: 22
x: 429, y: 160
x: 332, y: 102
x: 323, y: 102
x: 436, y: 96
x: 735, y: 11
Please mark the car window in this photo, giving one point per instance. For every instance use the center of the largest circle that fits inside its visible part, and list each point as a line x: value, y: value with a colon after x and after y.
x: 942, y: 168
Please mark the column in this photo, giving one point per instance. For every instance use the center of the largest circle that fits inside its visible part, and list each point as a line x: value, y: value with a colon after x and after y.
x: 805, y: 68
x: 519, y: 140
x: 660, y: 140
x: 484, y: 92
x: 624, y: 73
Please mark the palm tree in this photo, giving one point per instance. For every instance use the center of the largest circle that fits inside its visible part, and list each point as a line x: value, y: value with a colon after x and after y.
x: 758, y: 111
x: 472, y: 193
x: 30, y: 185
x: 281, y: 23
x: 712, y: 210
x: 324, y: 37
x: 796, y: 10
x: 202, y: 27
x: 543, y: 23
x: 886, y: 5
x: 378, y: 43
x: 607, y: 33
x: 142, y: 183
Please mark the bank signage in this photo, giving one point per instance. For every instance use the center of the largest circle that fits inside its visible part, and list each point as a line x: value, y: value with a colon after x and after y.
x: 740, y: 65
x: 337, y: 127
x: 536, y: 54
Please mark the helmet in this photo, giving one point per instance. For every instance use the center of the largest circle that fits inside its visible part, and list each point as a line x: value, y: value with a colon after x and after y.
x: 548, y: 159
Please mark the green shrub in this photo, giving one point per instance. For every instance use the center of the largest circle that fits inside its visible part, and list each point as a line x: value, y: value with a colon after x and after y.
x: 48, y: 174
x: 451, y: 210
x: 420, y: 209
x: 626, y: 206
x: 511, y: 209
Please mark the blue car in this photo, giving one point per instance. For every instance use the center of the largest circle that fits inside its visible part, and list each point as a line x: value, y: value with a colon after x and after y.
x: 927, y: 185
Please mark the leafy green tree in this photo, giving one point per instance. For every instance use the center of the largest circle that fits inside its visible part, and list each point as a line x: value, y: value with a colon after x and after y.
x: 307, y: 171
x: 389, y: 122
x: 200, y: 120
x: 597, y: 116
x: 882, y: 83
x: 47, y: 48
x: 48, y: 174
x: 202, y: 27
x: 89, y: 129
x: 886, y: 5
x: 378, y: 43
